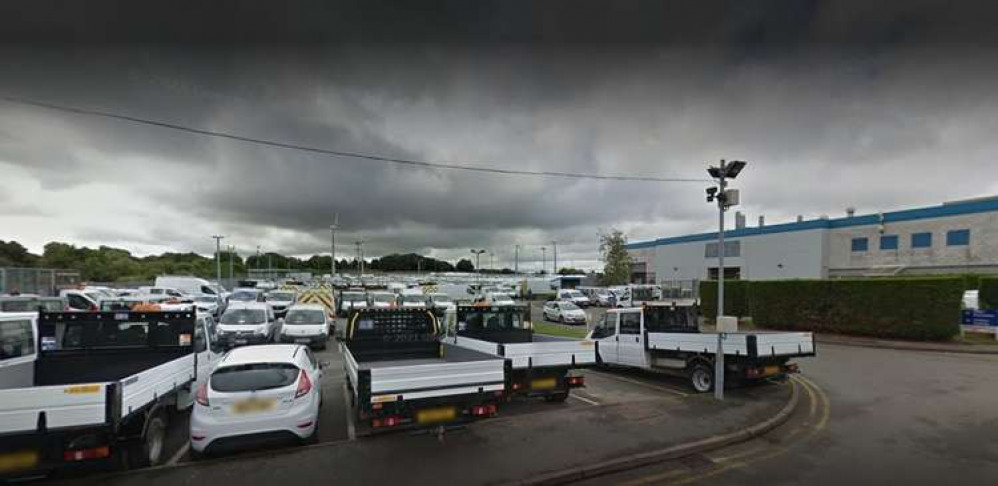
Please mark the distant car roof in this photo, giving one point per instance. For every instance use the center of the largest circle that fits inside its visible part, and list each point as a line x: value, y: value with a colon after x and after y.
x: 307, y: 307
x: 266, y: 353
x: 248, y: 305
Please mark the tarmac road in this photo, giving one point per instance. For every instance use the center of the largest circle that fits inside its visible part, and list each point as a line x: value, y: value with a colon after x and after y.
x: 867, y: 416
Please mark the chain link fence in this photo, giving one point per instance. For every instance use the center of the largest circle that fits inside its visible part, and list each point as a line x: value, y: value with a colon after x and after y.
x: 41, y: 281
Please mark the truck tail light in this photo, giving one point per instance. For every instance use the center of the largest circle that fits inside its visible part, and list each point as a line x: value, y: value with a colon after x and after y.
x: 484, y: 410
x: 576, y: 381
x: 792, y: 368
x: 201, y: 396
x: 304, y: 385
x: 386, y: 422
x: 87, y: 454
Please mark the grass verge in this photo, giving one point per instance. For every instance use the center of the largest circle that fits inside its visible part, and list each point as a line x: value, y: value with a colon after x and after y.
x: 541, y: 327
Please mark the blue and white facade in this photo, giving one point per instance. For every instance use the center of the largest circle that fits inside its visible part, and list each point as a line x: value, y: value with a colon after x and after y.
x: 956, y: 237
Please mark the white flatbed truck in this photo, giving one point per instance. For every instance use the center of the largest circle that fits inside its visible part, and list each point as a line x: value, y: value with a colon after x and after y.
x: 103, y: 383
x: 400, y: 375
x: 665, y: 337
x: 538, y: 368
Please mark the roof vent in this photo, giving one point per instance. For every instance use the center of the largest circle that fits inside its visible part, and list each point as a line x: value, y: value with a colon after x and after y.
x: 739, y: 220
x: 800, y: 218
x: 850, y: 212
x: 762, y: 221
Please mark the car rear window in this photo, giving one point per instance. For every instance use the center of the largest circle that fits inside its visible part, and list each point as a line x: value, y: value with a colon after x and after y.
x: 255, y: 376
x: 304, y: 317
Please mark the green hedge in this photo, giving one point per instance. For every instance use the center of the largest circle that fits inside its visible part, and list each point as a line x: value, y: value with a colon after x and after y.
x: 906, y: 308
x: 988, y: 293
x: 736, y: 298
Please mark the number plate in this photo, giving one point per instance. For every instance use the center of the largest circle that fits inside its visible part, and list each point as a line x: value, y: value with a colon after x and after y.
x: 251, y: 406
x: 432, y: 415
x: 543, y: 384
x: 17, y: 461
x: 302, y: 340
x: 771, y: 370
x: 240, y: 341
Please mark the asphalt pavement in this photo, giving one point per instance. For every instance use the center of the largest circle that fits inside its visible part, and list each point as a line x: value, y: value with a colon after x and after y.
x: 867, y: 417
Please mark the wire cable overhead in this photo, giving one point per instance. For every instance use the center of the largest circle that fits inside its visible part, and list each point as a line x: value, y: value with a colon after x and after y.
x: 340, y: 153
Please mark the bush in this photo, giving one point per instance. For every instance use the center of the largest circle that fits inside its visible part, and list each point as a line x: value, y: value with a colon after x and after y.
x: 915, y: 308
x: 988, y: 293
x: 736, y: 298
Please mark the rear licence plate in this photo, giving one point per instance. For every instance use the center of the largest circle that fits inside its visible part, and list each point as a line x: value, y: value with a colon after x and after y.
x: 251, y: 406
x: 543, y: 384
x: 771, y: 370
x: 432, y: 415
x: 18, y: 461
x: 302, y: 340
x: 240, y: 341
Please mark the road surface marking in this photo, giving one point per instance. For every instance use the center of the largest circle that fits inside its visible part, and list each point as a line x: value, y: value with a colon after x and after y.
x: 181, y: 453
x: 826, y: 407
x: 351, y: 431
x: 640, y: 383
x: 584, y: 399
x: 653, y: 478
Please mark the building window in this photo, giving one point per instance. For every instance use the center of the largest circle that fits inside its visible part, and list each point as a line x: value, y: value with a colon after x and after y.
x: 860, y: 244
x: 889, y: 242
x: 958, y: 238
x: 921, y: 240
x: 732, y: 249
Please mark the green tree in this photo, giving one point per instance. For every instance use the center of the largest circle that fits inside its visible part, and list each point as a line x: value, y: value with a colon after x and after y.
x: 465, y: 265
x: 12, y: 254
x: 570, y: 271
x: 617, y: 269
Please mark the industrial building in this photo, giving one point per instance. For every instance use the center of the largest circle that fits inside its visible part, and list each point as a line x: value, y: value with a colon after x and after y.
x: 955, y: 237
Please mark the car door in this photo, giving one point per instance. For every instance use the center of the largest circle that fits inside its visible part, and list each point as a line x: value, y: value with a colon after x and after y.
x: 630, y: 349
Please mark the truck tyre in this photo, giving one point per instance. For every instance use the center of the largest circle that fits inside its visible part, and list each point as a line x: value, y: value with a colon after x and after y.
x: 702, y: 377
x: 556, y: 397
x: 148, y: 450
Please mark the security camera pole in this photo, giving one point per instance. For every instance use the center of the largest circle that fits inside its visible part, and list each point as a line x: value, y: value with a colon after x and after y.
x: 725, y: 199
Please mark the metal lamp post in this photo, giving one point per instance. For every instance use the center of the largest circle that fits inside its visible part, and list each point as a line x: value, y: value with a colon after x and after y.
x: 725, y: 199
x: 478, y: 270
x: 218, y: 258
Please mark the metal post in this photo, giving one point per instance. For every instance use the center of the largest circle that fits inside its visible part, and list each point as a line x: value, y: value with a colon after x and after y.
x: 554, y: 245
x: 516, y: 260
x: 218, y: 258
x: 232, y: 278
x: 332, y: 245
x: 544, y: 259
x: 719, y: 358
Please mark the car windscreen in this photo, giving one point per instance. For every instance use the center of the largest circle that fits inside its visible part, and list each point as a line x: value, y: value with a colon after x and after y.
x: 246, y: 296
x: 280, y: 296
x: 442, y: 299
x: 642, y: 293
x: 310, y: 316
x: 252, y: 377
x: 413, y: 298
x: 384, y: 298
x: 213, y: 300
x: 569, y: 306
x: 353, y: 297
x: 244, y: 316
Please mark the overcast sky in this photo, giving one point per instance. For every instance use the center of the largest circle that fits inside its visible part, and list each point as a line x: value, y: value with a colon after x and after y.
x: 832, y: 105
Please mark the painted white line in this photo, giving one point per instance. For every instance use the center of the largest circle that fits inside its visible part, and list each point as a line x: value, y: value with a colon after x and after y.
x: 181, y: 453
x: 584, y: 399
x: 351, y: 431
x: 640, y: 383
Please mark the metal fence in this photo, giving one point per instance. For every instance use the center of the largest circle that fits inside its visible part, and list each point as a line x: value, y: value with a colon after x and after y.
x: 680, y: 289
x: 41, y: 281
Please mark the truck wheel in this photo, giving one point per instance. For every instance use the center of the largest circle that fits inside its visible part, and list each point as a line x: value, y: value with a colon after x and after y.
x: 702, y: 378
x: 148, y: 451
x: 556, y: 397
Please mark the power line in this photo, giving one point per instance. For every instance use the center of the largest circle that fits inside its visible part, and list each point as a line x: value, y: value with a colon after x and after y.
x: 340, y: 153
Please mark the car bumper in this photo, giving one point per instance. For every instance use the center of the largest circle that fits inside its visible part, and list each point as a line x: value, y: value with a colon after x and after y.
x: 206, y: 431
x: 310, y: 339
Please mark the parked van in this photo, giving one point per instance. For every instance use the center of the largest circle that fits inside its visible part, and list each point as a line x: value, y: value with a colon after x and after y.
x: 189, y: 285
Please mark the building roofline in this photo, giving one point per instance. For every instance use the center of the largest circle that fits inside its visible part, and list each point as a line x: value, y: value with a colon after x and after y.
x: 943, y: 210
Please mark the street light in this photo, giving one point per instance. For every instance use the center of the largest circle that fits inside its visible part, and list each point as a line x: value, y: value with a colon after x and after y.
x: 725, y: 199
x: 332, y: 245
x: 478, y: 270
x: 554, y: 258
x: 218, y: 258
x: 544, y: 259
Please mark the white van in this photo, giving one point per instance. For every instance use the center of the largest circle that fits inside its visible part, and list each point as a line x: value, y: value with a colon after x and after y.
x: 189, y: 285
x: 306, y: 324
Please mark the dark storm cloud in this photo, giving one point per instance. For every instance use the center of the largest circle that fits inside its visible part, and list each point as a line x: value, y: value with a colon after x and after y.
x: 833, y: 104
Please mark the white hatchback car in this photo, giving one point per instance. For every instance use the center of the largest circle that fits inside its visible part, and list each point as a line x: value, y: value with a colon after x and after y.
x: 267, y: 391
x: 306, y: 324
x: 564, y: 311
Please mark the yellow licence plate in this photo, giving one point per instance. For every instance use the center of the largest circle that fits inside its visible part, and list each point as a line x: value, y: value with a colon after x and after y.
x: 771, y: 370
x: 250, y: 406
x: 431, y: 415
x: 16, y: 461
x: 543, y: 384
